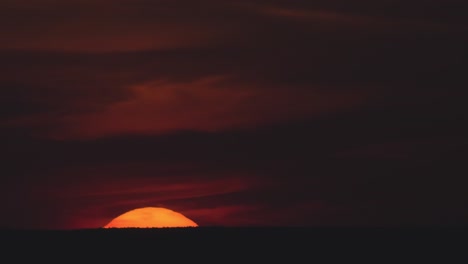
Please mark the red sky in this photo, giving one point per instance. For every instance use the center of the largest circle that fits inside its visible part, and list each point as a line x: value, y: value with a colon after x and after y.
x: 264, y: 112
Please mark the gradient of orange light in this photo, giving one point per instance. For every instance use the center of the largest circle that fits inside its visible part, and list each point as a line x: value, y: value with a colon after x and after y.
x: 150, y: 217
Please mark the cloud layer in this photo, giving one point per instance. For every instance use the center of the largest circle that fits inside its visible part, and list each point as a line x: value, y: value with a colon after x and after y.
x: 234, y: 112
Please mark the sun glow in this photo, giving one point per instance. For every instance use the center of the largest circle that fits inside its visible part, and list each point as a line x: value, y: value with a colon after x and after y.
x: 150, y: 217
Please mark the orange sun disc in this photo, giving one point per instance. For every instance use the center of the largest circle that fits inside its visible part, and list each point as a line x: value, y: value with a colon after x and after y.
x: 150, y: 217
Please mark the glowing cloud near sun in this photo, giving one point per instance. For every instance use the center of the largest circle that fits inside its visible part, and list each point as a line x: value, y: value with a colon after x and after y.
x: 150, y: 217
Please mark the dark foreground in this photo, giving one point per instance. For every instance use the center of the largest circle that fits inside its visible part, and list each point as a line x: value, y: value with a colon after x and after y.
x: 240, y: 244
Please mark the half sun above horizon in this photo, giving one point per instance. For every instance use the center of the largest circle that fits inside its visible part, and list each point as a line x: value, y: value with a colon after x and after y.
x: 150, y: 217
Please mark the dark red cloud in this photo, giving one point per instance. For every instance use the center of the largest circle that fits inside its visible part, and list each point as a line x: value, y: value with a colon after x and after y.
x: 209, y: 104
x: 110, y: 26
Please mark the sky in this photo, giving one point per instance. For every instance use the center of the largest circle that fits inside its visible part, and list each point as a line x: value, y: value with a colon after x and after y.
x: 234, y: 113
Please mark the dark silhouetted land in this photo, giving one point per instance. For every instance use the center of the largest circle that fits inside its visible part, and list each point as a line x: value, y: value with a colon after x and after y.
x: 223, y: 244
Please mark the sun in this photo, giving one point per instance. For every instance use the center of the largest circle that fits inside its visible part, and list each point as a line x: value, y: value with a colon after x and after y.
x: 150, y: 217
